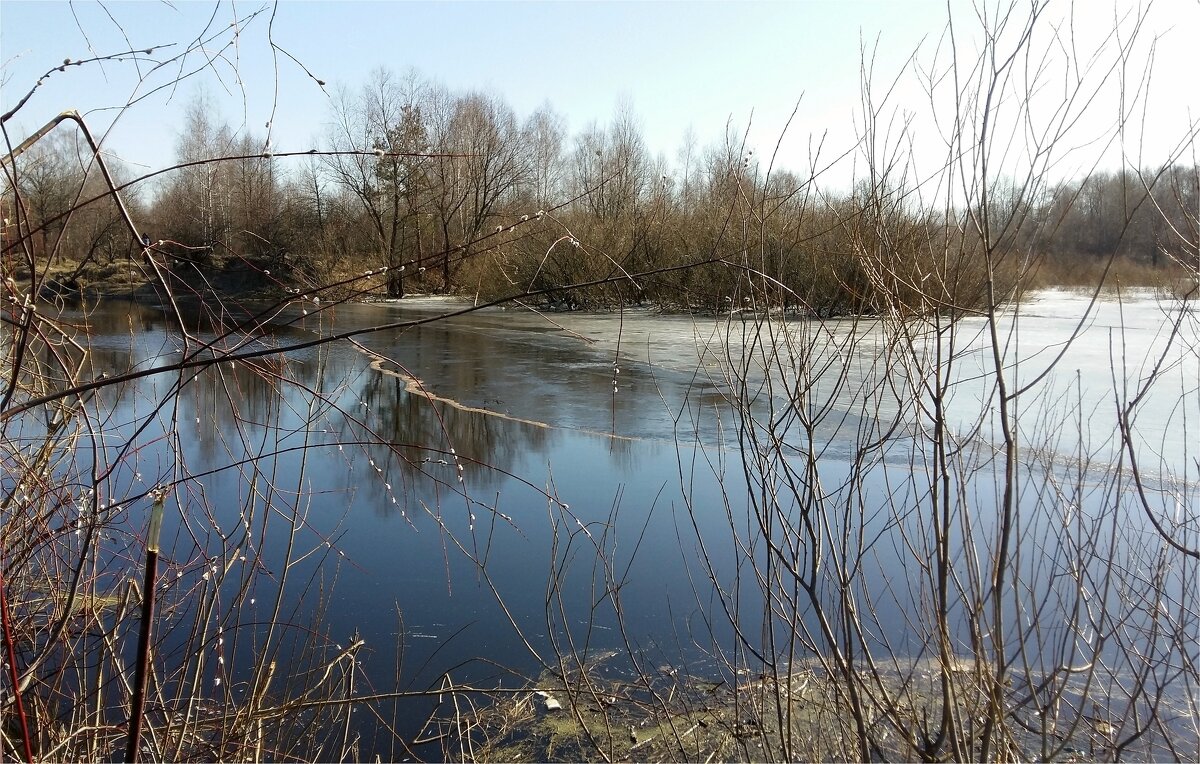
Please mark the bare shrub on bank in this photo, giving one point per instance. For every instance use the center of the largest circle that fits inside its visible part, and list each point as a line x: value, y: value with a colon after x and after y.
x: 973, y: 574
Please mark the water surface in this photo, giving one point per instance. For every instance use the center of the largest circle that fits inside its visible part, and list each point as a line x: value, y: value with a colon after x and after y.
x: 500, y: 488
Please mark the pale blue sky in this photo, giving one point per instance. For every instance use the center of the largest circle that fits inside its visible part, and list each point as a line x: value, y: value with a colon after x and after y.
x: 679, y: 64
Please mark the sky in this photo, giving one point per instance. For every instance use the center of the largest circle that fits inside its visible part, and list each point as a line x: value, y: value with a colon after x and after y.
x: 698, y: 66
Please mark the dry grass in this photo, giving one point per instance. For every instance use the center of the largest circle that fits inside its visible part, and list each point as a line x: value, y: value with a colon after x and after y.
x: 691, y: 719
x: 1085, y: 273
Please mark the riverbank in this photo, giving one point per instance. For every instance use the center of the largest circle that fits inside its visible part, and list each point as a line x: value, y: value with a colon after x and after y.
x: 130, y: 279
x: 800, y: 715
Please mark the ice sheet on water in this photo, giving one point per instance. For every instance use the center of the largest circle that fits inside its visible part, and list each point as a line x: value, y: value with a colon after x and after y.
x: 1079, y: 357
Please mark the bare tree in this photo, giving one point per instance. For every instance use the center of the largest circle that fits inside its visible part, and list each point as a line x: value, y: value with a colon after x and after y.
x: 480, y: 167
x: 386, y: 117
x: 544, y: 135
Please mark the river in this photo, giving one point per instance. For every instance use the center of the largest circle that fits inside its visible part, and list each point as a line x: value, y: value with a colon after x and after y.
x: 479, y: 494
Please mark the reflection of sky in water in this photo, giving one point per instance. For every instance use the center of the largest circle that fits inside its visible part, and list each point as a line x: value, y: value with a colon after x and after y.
x: 406, y: 536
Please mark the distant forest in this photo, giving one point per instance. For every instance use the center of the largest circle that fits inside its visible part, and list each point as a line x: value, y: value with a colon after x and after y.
x: 452, y: 192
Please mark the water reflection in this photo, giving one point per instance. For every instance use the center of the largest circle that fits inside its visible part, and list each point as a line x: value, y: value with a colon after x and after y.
x: 423, y: 433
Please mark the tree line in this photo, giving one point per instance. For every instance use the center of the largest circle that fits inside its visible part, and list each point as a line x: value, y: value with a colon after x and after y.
x: 453, y: 192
